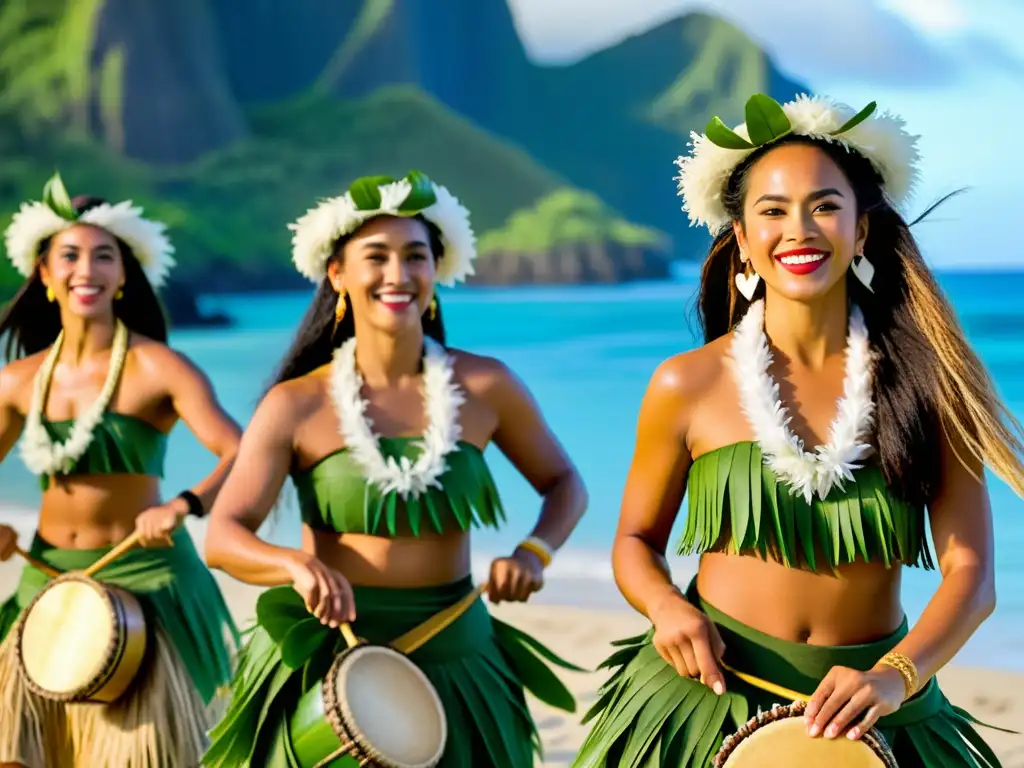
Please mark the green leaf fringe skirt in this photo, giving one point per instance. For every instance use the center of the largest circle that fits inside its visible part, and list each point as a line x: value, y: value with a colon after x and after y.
x: 480, y: 666
x: 648, y: 716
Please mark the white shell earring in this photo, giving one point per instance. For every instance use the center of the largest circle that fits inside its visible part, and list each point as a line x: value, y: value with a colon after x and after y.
x: 747, y: 284
x: 863, y: 270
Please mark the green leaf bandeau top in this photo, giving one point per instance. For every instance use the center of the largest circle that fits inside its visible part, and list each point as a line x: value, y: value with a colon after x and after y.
x: 828, y: 506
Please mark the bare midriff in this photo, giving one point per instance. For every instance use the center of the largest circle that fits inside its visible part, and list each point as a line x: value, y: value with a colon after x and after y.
x: 94, y: 511
x: 858, y: 604
x: 401, y: 562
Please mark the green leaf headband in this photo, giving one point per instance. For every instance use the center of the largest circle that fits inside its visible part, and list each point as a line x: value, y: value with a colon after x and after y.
x: 366, y: 193
x: 56, y: 196
x: 39, y: 221
x: 767, y: 122
x: 882, y: 139
x: 317, y: 231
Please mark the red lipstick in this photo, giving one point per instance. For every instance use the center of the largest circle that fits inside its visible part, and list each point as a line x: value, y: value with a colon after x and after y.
x: 802, y: 267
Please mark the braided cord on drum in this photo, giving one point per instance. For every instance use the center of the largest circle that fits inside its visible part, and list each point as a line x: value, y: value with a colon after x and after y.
x: 872, y: 739
x: 339, y: 752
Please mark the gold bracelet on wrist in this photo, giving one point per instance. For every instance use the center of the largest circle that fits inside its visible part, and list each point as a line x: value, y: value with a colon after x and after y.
x: 902, y: 664
x: 538, y: 547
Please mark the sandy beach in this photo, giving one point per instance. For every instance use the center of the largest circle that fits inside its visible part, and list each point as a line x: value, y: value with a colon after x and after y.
x: 584, y: 634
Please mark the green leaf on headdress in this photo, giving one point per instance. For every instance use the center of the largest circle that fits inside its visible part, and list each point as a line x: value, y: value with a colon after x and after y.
x: 422, y: 194
x: 56, y: 197
x: 722, y: 135
x: 857, y: 119
x: 366, y: 191
x: 766, y: 120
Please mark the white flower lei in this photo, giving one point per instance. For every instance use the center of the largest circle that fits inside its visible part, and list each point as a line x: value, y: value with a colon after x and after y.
x: 43, y: 456
x: 829, y: 464
x: 882, y: 139
x: 316, y: 232
x: 36, y: 222
x: 442, y: 397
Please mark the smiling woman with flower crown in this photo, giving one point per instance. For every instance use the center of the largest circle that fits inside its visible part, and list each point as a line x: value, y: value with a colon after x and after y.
x: 93, y: 390
x: 824, y: 327
x: 383, y: 430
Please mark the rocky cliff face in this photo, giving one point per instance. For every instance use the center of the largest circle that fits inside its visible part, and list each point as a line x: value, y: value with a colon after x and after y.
x: 572, y: 264
x: 198, y: 60
x: 273, y: 50
x: 159, y: 90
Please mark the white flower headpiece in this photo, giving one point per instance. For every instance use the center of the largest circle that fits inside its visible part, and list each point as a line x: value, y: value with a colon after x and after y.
x: 37, y: 221
x: 318, y: 229
x: 882, y: 139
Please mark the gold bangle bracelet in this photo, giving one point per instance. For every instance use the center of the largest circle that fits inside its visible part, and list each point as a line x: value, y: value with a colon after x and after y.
x: 538, y: 548
x: 902, y: 664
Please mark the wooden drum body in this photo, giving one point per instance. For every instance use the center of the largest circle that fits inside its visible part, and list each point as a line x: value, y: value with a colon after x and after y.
x: 81, y: 641
x: 375, y: 707
x: 778, y: 739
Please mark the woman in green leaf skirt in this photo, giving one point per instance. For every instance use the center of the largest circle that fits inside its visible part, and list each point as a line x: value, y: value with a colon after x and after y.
x: 824, y: 327
x: 383, y: 430
x: 92, y: 391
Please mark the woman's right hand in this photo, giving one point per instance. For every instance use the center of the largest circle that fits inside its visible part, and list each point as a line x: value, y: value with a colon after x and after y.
x: 688, y: 640
x: 327, y: 593
x: 8, y: 542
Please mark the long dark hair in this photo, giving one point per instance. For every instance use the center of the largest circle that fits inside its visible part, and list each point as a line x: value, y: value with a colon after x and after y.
x: 317, y: 338
x: 31, y: 322
x: 927, y: 376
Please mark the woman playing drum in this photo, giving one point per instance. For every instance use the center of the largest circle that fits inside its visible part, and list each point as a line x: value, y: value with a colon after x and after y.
x: 825, y: 328
x: 93, y: 391
x: 383, y: 430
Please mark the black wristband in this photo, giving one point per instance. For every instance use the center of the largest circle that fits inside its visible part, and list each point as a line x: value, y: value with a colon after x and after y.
x: 195, y: 506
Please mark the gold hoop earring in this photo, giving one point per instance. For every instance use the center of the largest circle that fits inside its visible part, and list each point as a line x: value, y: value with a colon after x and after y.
x: 50, y: 295
x: 119, y: 294
x: 339, y: 310
x: 433, y: 308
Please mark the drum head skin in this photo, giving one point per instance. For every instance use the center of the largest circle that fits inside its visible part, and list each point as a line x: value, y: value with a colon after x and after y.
x: 778, y: 739
x: 391, y: 707
x: 66, y: 637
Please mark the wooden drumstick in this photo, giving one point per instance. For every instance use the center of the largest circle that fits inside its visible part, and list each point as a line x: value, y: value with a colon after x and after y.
x: 765, y: 685
x: 48, y: 570
x: 350, y: 637
x: 113, y: 554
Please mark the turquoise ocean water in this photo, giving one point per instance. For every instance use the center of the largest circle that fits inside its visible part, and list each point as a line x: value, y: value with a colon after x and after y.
x: 587, y: 353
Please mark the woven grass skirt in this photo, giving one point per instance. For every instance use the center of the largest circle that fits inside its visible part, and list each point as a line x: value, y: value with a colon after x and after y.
x: 164, y: 716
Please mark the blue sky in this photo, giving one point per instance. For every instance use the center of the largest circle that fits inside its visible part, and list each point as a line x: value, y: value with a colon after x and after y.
x: 954, y: 69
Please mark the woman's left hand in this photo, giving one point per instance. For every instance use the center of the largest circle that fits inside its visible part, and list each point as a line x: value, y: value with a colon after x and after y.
x: 156, y: 524
x: 848, y: 697
x: 515, y: 578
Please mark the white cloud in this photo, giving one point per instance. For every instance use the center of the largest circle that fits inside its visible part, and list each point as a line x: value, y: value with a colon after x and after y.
x: 941, y: 17
x: 978, y: 34
x: 564, y: 30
